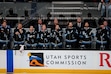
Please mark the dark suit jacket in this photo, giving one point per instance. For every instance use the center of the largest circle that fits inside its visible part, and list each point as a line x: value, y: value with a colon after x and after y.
x: 36, y: 28
x: 79, y: 28
x: 91, y: 22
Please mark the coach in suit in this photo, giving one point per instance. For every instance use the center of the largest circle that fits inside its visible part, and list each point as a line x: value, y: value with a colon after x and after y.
x: 79, y: 26
x: 55, y: 22
x: 38, y: 26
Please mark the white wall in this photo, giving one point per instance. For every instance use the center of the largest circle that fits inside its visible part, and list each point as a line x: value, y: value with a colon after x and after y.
x: 92, y: 58
x: 3, y: 59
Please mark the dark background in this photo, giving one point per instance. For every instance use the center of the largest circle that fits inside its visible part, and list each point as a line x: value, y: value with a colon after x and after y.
x: 49, y: 0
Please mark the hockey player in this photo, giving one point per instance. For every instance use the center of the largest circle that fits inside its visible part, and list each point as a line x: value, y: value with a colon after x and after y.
x: 71, y: 35
x: 19, y: 35
x: 5, y: 34
x: 43, y: 37
x: 31, y: 37
x: 56, y: 37
x: 87, y: 36
x: 102, y: 37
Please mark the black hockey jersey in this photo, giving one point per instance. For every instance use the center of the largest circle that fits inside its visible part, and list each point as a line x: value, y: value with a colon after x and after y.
x: 43, y: 37
x: 71, y: 33
x: 20, y: 36
x: 56, y: 36
x: 31, y: 37
x: 5, y: 33
x: 87, y: 34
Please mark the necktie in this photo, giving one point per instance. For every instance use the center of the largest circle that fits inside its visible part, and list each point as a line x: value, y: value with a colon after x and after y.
x: 79, y: 24
x: 39, y: 27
